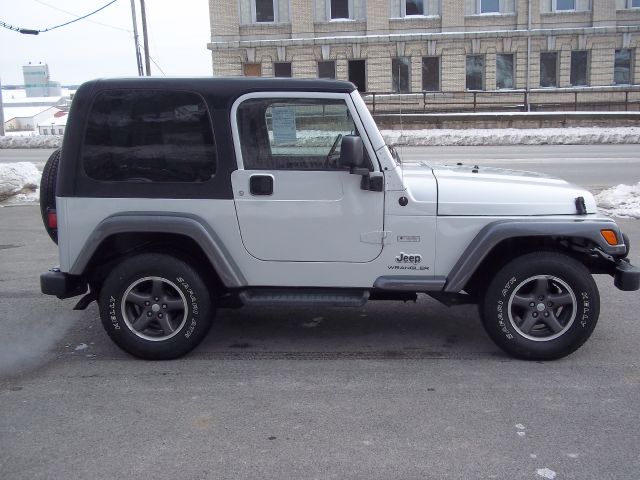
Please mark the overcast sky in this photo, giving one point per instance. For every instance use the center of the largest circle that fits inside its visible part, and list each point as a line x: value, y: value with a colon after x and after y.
x: 178, y: 36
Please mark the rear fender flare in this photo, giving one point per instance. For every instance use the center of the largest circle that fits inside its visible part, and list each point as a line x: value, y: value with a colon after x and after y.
x: 188, y: 225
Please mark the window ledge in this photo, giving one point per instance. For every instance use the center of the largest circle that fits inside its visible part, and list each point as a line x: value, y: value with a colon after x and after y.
x: 266, y: 24
x: 565, y: 12
x: 416, y: 17
x: 491, y: 14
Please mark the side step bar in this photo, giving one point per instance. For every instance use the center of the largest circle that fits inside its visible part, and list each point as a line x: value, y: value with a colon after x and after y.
x: 304, y: 296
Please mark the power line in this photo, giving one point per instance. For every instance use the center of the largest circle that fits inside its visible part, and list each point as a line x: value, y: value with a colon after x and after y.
x: 76, y: 15
x: 155, y: 63
x: 31, y: 31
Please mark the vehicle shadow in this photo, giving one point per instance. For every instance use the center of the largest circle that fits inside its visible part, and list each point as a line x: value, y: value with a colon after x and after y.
x: 385, y: 330
x: 381, y: 330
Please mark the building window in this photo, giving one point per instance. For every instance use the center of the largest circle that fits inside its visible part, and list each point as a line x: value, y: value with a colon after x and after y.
x: 45, y: 131
x: 505, y: 70
x: 252, y: 69
x: 339, y: 9
x: 413, y: 7
x: 59, y: 131
x: 548, y: 69
x: 431, y: 74
x: 327, y: 69
x: 475, y: 72
x: 400, y: 75
x: 357, y: 74
x: 579, y: 68
x: 264, y: 11
x: 488, y: 6
x: 564, y: 5
x: 282, y: 69
x: 634, y: 3
x: 622, y: 67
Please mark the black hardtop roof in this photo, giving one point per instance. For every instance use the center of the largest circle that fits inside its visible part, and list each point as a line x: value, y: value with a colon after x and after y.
x: 222, y: 87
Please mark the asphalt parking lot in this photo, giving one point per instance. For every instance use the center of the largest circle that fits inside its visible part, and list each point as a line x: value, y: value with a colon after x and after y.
x: 391, y: 390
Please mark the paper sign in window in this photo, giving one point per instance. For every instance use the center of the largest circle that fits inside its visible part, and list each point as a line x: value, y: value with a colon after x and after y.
x: 284, y: 125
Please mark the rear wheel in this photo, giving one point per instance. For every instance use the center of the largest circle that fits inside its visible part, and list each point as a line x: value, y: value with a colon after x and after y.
x: 48, y: 193
x: 155, y: 306
x: 541, y: 306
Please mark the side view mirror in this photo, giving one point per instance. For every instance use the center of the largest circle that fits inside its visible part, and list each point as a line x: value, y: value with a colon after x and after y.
x: 352, y: 156
x: 351, y: 152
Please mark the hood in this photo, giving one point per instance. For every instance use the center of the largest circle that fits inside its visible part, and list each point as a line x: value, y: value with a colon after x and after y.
x: 467, y: 190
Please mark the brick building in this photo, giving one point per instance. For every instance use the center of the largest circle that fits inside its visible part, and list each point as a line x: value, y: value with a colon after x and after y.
x: 431, y: 45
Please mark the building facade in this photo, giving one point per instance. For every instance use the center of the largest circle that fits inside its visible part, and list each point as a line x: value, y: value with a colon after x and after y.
x: 37, y: 82
x: 431, y: 45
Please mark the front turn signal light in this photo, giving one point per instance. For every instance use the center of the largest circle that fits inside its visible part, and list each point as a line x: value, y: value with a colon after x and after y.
x: 610, y: 236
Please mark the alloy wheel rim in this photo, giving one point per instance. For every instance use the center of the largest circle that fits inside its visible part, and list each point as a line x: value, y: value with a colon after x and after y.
x: 542, y: 308
x: 154, y: 308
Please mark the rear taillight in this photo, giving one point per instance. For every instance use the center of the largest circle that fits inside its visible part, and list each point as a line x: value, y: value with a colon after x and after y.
x: 52, y: 219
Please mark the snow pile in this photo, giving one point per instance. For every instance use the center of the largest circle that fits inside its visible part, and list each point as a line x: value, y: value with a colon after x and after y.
x: 428, y: 137
x: 19, y: 181
x: 620, y: 201
x: 514, y: 136
x: 31, y: 141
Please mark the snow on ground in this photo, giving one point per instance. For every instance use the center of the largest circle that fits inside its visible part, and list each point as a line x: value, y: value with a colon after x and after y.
x: 20, y: 133
x: 620, y: 201
x: 31, y: 141
x: 19, y: 182
x: 514, y: 136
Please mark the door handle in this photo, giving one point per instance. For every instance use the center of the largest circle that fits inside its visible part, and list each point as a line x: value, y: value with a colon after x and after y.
x: 261, y: 185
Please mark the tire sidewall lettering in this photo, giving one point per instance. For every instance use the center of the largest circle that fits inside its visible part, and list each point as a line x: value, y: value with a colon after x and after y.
x: 113, y: 316
x: 193, y: 306
x: 584, y: 315
x: 501, y: 309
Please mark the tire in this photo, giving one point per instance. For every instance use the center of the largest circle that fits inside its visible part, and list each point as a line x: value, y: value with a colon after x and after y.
x: 150, y: 288
x: 541, y: 306
x: 48, y: 191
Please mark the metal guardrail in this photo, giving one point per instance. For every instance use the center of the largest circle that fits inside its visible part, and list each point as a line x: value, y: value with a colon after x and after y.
x: 625, y: 99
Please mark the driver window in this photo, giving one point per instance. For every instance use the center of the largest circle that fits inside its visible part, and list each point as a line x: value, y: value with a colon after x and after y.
x: 293, y: 134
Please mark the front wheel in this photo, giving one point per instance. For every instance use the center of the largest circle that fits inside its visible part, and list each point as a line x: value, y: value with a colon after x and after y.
x: 155, y: 306
x: 541, y: 306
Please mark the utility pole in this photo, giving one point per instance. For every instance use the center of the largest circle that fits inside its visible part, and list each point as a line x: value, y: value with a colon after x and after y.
x: 1, y: 113
x: 135, y: 37
x: 145, y: 38
x: 529, y: 57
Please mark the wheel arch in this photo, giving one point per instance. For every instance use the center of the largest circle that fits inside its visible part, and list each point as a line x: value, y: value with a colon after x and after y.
x: 125, y: 234
x: 501, y: 241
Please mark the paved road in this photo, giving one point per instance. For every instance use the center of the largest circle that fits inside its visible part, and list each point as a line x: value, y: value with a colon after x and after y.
x: 34, y: 155
x: 388, y: 391
x: 593, y: 166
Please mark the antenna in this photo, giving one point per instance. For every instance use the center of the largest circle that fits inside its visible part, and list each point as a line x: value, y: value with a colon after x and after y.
x: 401, y: 129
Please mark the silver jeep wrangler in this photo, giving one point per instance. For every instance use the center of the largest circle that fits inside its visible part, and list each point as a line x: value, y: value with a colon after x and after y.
x: 173, y: 197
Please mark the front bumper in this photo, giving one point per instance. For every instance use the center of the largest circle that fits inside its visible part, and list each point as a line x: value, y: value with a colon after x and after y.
x: 626, y: 276
x: 62, y: 285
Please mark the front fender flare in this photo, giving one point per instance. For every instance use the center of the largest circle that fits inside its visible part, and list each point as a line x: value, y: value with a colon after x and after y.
x: 495, y: 232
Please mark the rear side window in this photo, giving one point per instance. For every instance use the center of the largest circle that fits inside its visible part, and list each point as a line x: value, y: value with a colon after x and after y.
x: 149, y: 136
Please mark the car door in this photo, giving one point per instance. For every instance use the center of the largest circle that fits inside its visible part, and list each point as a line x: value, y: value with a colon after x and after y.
x: 293, y: 202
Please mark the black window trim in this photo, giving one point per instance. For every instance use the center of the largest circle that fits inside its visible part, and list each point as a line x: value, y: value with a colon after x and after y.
x: 374, y: 164
x: 126, y: 182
